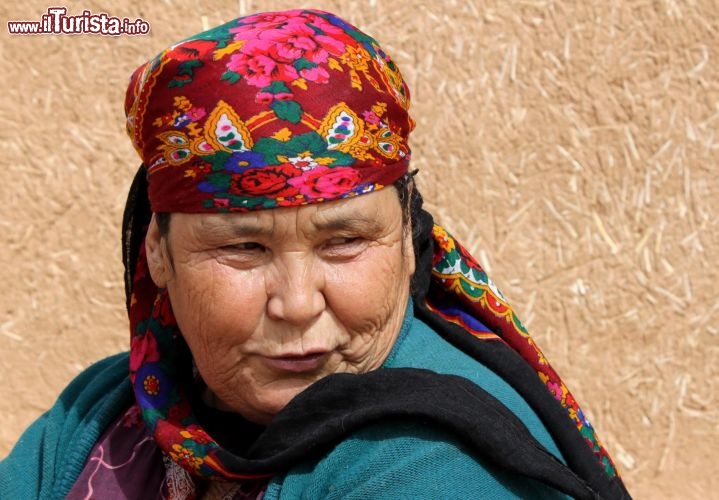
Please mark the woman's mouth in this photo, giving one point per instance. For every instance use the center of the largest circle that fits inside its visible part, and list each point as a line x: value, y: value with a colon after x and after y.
x: 297, y: 364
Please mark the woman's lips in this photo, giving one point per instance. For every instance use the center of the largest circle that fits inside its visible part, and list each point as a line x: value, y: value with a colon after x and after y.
x: 297, y: 364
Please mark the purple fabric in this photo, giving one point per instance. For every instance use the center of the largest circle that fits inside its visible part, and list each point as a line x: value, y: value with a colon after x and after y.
x: 127, y: 463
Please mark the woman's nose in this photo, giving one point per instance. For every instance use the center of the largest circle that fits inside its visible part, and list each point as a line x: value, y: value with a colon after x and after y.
x: 295, y: 291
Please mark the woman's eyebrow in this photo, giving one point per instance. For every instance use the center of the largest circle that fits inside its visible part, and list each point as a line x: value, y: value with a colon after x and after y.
x: 363, y: 224
x: 332, y: 222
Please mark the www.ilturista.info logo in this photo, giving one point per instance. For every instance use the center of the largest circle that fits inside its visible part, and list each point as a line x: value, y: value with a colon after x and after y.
x: 56, y: 21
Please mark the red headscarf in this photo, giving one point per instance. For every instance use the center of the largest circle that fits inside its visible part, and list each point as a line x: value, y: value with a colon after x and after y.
x: 275, y: 109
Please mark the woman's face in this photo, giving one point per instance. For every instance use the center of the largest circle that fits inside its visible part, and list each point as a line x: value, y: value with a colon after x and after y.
x: 271, y: 301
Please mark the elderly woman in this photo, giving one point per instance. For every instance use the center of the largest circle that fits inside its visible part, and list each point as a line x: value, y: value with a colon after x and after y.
x: 300, y: 328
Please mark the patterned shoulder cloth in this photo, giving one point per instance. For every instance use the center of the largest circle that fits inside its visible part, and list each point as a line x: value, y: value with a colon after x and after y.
x: 274, y: 110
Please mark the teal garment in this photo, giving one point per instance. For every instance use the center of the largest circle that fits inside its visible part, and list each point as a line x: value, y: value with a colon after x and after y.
x: 391, y: 460
x: 408, y: 460
x: 398, y: 461
x: 50, y: 455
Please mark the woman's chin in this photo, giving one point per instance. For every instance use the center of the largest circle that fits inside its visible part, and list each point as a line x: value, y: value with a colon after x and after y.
x: 269, y: 401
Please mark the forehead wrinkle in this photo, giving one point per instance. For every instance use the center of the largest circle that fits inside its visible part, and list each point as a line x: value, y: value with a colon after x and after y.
x: 337, y: 219
x: 246, y: 224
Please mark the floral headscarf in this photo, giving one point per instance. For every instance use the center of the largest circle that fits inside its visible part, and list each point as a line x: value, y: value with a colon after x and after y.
x: 272, y: 110
x: 275, y: 109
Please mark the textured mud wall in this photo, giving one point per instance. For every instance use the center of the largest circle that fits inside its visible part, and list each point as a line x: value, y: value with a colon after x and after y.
x: 571, y: 145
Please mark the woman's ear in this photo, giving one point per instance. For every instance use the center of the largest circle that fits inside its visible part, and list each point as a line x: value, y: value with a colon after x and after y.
x: 408, y: 229
x: 408, y: 248
x: 157, y: 258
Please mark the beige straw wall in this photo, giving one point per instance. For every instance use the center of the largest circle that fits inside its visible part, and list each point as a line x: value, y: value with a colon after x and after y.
x: 572, y: 146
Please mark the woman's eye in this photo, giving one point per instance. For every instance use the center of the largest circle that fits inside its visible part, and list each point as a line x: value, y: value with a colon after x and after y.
x: 248, y: 246
x: 344, y: 247
x: 344, y: 240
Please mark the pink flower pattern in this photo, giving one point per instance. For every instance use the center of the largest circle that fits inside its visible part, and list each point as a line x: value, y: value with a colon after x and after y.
x: 275, y: 43
x: 327, y: 182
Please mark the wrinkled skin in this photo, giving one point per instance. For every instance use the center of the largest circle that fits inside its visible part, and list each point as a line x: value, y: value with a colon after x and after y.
x: 271, y: 301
